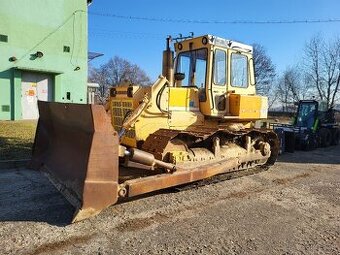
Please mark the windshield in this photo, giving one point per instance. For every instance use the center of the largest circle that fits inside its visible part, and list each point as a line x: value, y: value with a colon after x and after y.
x: 306, y: 115
x: 193, y: 64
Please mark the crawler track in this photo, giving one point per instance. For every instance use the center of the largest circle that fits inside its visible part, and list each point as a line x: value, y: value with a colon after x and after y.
x: 222, y: 177
x: 202, y: 137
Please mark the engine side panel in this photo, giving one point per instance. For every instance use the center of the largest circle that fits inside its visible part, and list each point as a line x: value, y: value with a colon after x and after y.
x: 248, y: 106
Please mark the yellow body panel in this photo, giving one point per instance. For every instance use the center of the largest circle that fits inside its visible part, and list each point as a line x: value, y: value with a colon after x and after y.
x: 183, y: 99
x: 179, y: 110
x: 248, y: 107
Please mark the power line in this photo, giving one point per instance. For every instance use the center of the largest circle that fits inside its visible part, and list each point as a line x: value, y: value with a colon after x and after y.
x: 124, y: 36
x: 101, y: 30
x: 232, y: 22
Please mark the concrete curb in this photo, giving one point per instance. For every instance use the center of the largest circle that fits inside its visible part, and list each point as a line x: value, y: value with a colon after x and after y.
x: 10, y: 164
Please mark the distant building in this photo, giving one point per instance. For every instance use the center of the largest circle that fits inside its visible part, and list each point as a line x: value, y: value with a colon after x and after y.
x: 92, y: 88
x: 43, y: 55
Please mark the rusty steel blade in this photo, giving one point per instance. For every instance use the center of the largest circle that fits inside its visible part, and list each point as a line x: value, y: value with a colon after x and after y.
x: 78, y: 149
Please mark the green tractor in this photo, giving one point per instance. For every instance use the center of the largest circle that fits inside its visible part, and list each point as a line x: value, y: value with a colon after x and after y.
x: 311, y: 128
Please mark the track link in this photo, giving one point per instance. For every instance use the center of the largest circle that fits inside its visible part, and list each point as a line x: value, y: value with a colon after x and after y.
x: 222, y: 177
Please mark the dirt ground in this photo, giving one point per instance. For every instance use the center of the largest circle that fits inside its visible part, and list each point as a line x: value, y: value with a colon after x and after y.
x: 294, y: 208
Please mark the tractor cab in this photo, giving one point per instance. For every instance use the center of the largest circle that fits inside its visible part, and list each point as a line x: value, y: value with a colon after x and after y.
x: 307, y: 114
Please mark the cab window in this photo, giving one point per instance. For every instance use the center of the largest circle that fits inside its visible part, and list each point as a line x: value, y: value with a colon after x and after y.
x: 220, y: 67
x: 239, y: 70
x: 306, y: 115
x: 194, y: 65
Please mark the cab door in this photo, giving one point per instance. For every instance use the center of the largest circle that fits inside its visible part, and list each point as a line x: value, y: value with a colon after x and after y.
x: 219, y: 82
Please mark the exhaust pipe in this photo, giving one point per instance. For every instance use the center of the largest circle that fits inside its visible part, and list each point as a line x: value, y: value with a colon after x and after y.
x: 168, y: 62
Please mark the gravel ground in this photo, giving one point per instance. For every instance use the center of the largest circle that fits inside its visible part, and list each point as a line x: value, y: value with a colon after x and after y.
x: 294, y: 208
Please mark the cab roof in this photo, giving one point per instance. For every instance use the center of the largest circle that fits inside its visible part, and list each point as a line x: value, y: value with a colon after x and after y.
x: 221, y: 42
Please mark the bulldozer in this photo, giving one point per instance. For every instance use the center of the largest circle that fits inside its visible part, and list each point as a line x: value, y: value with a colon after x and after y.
x: 195, y: 122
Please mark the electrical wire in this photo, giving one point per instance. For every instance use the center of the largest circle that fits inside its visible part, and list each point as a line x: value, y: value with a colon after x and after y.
x: 127, y: 35
x: 45, y: 38
x: 255, y: 22
x: 73, y: 39
x: 100, y: 29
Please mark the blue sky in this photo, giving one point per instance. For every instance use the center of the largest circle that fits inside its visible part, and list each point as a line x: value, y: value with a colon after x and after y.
x: 142, y: 42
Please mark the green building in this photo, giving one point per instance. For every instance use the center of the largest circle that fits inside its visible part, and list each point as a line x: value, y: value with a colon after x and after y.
x: 43, y: 55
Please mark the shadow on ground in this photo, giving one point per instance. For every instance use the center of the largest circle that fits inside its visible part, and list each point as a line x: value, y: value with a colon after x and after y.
x: 27, y: 195
x: 329, y: 155
x: 16, y: 139
x: 12, y: 148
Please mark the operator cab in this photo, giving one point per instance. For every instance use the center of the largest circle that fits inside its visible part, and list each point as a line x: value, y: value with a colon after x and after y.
x: 307, y: 113
x: 217, y: 68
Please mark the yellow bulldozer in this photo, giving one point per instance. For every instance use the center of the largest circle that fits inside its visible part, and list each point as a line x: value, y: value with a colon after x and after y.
x: 196, y: 121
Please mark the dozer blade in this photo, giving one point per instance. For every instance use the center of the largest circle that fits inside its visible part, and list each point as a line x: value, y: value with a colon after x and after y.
x: 78, y: 149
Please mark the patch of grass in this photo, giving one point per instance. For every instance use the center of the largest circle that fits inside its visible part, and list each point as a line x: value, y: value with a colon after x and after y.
x: 16, y: 139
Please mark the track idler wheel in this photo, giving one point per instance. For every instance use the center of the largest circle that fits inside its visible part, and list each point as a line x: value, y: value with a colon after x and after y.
x: 264, y: 148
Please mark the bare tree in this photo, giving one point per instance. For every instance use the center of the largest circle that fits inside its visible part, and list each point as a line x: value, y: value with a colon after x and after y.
x: 121, y: 70
x: 113, y: 73
x: 312, y: 60
x: 332, y: 71
x: 322, y: 68
x: 264, y: 70
x: 100, y: 75
x: 291, y: 88
x: 265, y: 74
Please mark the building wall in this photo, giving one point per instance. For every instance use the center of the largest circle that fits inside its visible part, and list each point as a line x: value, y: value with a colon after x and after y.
x: 46, y: 26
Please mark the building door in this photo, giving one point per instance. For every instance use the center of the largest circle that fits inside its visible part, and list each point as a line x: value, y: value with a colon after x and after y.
x: 34, y: 87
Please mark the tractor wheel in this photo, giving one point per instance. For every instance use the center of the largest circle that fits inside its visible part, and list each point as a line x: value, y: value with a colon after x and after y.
x: 298, y: 143
x: 310, y: 143
x: 335, y: 136
x: 326, y: 137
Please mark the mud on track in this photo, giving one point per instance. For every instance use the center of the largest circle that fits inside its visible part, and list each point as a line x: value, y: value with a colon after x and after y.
x: 294, y: 208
